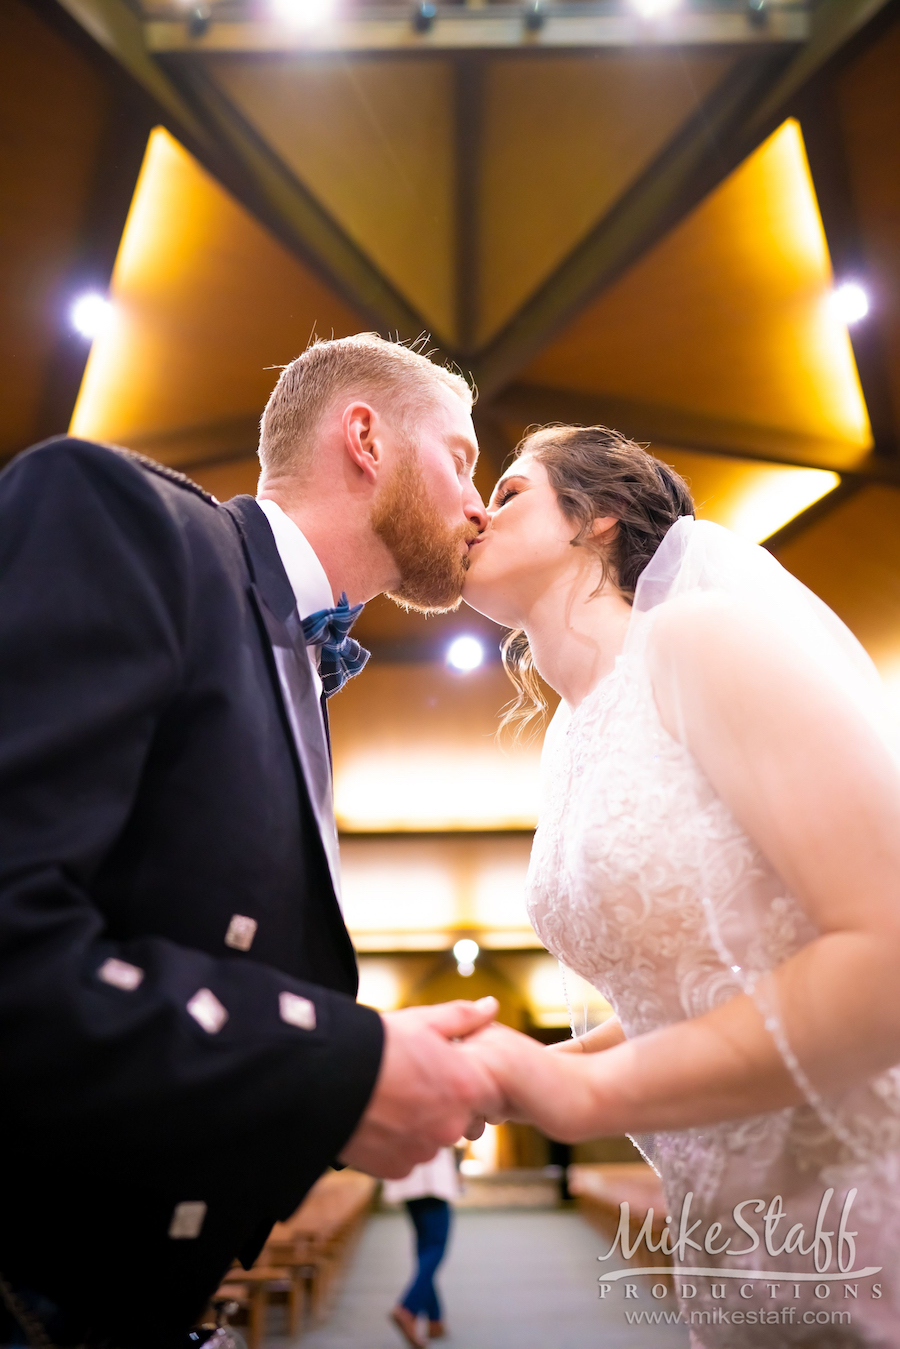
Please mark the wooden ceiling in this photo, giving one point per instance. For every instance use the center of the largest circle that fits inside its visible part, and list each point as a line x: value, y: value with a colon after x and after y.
x: 207, y: 305
x: 63, y: 120
x: 751, y: 265
x: 627, y: 224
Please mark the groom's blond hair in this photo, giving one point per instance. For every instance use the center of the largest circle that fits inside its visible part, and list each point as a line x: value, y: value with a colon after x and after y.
x: 364, y: 366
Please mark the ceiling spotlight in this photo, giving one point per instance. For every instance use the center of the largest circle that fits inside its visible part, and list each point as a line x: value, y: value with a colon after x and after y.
x: 424, y: 16
x: 535, y: 16
x: 91, y: 314
x: 466, y: 949
x: 757, y: 13
x: 465, y: 654
x: 303, y: 13
x: 655, y: 9
x: 466, y: 953
x: 849, y: 302
x: 199, y: 20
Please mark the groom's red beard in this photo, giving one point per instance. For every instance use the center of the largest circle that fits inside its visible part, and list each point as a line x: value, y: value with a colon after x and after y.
x: 432, y: 559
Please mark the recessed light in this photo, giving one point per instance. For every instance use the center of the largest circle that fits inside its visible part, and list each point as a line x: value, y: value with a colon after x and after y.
x: 850, y: 302
x: 91, y: 314
x: 465, y: 654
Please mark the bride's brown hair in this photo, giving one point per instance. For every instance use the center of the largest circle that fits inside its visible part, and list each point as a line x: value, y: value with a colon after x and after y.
x: 596, y: 472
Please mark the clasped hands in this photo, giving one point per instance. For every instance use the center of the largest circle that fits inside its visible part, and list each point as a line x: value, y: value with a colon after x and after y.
x: 445, y: 1071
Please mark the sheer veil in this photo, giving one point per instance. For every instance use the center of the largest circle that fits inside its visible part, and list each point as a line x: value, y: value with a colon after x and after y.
x: 697, y: 556
x: 698, y: 559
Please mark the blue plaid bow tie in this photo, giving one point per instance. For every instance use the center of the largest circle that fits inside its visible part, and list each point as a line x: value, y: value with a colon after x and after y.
x: 340, y: 657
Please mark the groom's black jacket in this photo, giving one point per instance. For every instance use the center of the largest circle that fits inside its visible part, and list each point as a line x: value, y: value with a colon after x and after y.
x: 150, y: 790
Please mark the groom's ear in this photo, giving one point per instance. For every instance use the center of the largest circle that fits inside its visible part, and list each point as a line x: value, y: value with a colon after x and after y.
x: 363, y: 438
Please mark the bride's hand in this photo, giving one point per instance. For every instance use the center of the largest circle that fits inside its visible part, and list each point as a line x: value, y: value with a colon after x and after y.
x: 505, y: 1054
x: 538, y: 1087
x: 605, y: 1036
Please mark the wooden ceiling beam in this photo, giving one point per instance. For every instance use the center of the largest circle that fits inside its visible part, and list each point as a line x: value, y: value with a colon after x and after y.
x: 813, y: 514
x: 525, y: 404
x: 752, y: 101
x: 251, y: 169
x: 834, y: 24
x: 115, y: 27
x: 673, y: 429
x: 192, y: 447
x: 207, y: 123
x: 708, y: 147
x: 468, y: 94
x: 491, y: 27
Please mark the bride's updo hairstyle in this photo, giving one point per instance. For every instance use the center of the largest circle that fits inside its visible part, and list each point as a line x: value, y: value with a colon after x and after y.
x: 596, y: 472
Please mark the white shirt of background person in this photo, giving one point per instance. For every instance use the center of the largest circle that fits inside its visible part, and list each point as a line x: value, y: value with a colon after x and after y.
x: 436, y: 1179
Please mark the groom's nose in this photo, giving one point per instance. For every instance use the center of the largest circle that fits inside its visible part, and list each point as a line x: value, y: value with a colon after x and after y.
x: 475, y: 510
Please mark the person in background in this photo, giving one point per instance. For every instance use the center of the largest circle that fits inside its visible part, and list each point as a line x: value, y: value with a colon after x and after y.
x: 428, y: 1192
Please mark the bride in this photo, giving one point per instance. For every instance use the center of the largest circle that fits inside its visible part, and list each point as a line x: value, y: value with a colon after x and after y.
x: 719, y: 854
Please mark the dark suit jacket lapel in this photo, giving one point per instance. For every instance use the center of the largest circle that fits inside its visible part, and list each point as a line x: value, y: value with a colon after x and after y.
x: 274, y: 599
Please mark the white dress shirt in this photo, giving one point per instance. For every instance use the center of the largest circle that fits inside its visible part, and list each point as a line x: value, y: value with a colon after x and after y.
x: 436, y: 1179
x: 312, y: 592
x: 304, y: 571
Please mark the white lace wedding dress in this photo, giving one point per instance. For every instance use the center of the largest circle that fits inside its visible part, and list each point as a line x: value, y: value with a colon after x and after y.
x: 632, y: 840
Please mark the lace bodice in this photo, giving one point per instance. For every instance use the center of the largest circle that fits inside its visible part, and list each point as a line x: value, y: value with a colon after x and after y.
x: 632, y: 839
x: 637, y: 870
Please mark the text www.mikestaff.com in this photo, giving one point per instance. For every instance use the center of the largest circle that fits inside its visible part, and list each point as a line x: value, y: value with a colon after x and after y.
x: 717, y: 1316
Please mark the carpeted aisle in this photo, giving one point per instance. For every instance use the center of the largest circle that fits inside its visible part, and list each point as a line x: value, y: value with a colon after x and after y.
x: 512, y: 1280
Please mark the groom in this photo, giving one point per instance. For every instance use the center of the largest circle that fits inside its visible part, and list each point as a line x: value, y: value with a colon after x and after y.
x: 180, y: 1047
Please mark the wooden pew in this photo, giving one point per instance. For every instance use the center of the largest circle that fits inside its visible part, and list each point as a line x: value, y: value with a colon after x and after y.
x: 304, y: 1256
x: 601, y: 1187
x: 322, y: 1233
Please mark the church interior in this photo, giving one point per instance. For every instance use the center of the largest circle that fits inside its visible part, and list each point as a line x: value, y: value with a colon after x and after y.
x: 677, y: 218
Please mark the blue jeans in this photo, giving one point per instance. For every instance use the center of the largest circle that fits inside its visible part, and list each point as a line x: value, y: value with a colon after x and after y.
x: 431, y: 1219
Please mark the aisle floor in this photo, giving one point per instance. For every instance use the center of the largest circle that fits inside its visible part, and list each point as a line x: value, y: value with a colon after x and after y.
x: 511, y: 1280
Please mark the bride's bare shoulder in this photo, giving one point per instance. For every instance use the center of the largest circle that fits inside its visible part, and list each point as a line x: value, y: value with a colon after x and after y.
x: 708, y: 630
x: 712, y: 656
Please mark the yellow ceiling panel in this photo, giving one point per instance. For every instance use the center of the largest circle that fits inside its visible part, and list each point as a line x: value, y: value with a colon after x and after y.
x: 205, y: 303
x: 374, y: 142
x: 869, y: 100
x: 728, y: 316
x: 851, y: 559
x: 563, y: 138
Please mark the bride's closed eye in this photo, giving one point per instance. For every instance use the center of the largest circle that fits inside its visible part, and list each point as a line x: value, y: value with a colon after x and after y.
x: 505, y: 496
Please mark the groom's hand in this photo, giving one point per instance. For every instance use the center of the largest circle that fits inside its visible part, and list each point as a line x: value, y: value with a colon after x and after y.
x: 427, y: 1090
